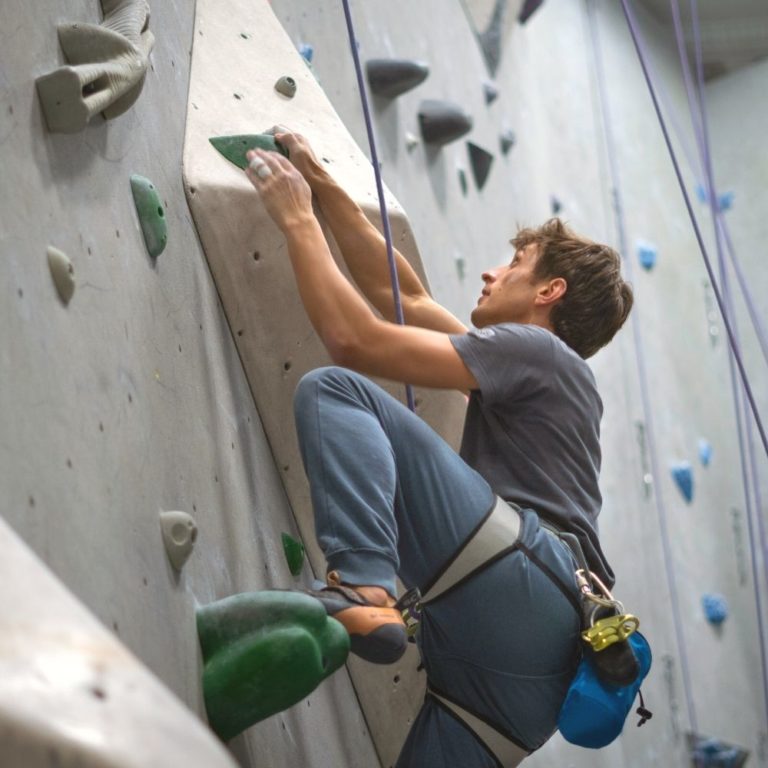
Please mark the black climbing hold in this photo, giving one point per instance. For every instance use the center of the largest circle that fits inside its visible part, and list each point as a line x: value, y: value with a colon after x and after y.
x: 490, y: 91
x: 481, y: 161
x: 507, y: 140
x: 392, y: 77
x: 442, y: 122
x: 529, y: 8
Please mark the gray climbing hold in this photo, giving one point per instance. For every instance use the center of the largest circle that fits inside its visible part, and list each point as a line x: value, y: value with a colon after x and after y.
x: 106, y: 70
x: 151, y: 214
x: 528, y: 9
x: 682, y: 474
x: 62, y: 272
x: 463, y: 181
x: 461, y: 267
x: 507, y: 140
x: 393, y: 77
x: 490, y: 91
x: 411, y: 141
x: 490, y: 38
x: 287, y: 86
x: 480, y: 161
x: 179, y: 536
x: 442, y: 122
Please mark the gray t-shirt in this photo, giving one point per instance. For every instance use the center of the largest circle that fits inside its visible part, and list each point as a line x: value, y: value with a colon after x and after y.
x: 533, y: 428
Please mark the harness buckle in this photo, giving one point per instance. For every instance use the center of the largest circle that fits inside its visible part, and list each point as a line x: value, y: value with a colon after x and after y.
x: 610, y: 630
x: 410, y: 607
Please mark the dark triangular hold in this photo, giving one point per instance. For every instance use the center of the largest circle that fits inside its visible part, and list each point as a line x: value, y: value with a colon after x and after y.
x: 490, y: 91
x: 528, y: 9
x: 391, y: 77
x: 490, y: 38
x: 442, y: 122
x: 507, y: 140
x: 480, y: 161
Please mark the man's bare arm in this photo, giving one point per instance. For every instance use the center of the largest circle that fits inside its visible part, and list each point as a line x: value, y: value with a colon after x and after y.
x: 364, y: 249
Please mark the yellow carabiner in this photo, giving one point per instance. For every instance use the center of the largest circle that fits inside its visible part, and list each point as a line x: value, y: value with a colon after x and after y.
x: 613, y: 629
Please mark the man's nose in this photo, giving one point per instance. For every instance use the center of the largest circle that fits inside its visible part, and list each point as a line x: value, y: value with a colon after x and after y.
x: 490, y: 275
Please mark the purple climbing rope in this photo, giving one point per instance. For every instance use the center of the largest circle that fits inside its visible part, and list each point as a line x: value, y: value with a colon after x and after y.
x: 642, y: 373
x: 642, y: 55
x: 379, y: 184
x: 746, y: 445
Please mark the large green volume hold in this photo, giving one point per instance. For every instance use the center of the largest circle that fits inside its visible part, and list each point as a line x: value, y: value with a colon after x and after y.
x: 235, y: 147
x: 264, y: 652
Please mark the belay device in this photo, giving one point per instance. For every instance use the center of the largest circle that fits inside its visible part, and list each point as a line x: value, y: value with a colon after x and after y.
x: 616, y: 658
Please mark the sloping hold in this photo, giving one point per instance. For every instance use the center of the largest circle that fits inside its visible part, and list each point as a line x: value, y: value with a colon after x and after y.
x: 715, y: 753
x: 294, y: 553
x: 481, y: 161
x: 264, y: 652
x: 234, y: 148
x: 490, y: 91
x: 393, y: 77
x: 705, y: 452
x: 529, y: 8
x: 62, y: 272
x: 442, y: 122
x: 151, y: 214
x: 715, y: 608
x: 72, y: 694
x: 179, y: 535
x: 507, y: 140
x: 107, y: 67
x: 682, y: 474
x: 647, y: 254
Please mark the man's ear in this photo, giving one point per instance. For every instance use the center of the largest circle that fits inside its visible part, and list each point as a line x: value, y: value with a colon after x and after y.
x: 551, y: 291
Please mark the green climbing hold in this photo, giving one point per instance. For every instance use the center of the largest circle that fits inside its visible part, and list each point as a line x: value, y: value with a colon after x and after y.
x: 151, y: 214
x: 294, y: 554
x: 235, y: 147
x: 264, y: 652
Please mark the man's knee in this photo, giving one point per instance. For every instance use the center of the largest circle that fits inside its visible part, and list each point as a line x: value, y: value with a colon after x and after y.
x: 311, y: 383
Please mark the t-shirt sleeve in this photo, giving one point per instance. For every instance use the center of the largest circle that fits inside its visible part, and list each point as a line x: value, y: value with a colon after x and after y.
x: 510, y: 361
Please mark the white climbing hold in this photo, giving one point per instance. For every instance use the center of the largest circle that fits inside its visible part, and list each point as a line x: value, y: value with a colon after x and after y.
x: 179, y: 535
x: 62, y: 272
x: 411, y: 141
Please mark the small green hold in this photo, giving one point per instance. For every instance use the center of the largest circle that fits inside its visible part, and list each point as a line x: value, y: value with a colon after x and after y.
x: 234, y: 148
x: 294, y: 554
x: 151, y: 214
x: 264, y: 652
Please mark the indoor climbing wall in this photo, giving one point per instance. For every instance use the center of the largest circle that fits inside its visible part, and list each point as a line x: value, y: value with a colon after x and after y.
x: 151, y: 337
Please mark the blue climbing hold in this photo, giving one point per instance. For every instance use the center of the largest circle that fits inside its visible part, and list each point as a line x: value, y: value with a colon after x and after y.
x: 715, y: 753
x: 682, y: 473
x: 715, y: 608
x: 647, y: 254
x: 701, y: 193
x: 307, y: 52
x: 725, y: 201
x: 705, y: 452
x: 555, y: 205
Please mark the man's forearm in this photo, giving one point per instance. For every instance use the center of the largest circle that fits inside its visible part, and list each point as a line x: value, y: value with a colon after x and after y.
x: 337, y: 312
x: 363, y: 247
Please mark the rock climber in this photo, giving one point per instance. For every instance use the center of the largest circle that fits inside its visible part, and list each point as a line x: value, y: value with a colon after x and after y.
x: 392, y: 499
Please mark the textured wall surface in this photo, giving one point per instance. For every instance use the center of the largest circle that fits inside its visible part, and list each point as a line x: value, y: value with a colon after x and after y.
x: 132, y: 399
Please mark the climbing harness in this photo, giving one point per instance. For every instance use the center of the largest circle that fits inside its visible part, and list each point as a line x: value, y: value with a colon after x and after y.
x: 616, y: 658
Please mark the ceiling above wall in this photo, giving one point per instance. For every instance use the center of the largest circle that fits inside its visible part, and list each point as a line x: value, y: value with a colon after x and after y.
x: 734, y: 33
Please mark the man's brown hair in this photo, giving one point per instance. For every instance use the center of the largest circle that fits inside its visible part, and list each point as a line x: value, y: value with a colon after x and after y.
x: 597, y: 300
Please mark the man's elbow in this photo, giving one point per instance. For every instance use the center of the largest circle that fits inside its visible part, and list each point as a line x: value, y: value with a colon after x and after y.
x: 345, y: 350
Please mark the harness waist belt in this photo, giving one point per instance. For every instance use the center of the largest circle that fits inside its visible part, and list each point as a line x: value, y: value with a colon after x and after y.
x: 497, y: 534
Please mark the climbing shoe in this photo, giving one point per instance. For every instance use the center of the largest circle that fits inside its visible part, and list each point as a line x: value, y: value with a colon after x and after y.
x: 377, y: 633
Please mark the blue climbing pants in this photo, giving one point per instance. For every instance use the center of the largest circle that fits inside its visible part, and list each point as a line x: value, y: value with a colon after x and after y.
x: 391, y: 498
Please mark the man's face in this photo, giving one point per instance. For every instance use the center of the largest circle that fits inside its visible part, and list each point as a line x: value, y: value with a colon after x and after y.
x: 509, y: 291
